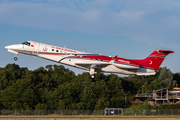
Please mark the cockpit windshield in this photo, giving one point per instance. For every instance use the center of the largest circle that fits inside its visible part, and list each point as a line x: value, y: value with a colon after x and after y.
x: 26, y: 43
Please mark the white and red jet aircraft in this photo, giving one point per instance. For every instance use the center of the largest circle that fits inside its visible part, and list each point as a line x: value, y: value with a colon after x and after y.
x: 92, y: 63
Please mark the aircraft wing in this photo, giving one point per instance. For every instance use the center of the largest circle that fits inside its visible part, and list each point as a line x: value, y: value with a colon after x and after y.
x: 93, y: 65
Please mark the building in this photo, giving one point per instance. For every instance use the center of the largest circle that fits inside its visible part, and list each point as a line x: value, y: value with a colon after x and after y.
x: 141, y: 97
x: 161, y: 96
x: 174, y: 96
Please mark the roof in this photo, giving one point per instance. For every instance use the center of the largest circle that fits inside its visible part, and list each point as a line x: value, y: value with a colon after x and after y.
x: 159, y: 90
x: 176, y: 88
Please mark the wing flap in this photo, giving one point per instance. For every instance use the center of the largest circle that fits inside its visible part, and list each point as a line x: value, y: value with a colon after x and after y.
x: 92, y: 65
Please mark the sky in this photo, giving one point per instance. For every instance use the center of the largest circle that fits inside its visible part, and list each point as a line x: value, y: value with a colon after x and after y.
x: 131, y: 29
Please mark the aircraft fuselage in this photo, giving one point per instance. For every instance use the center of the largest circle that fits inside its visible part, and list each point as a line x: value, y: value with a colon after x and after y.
x: 92, y: 63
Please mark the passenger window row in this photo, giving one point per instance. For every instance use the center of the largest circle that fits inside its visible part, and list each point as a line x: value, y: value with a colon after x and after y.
x: 57, y: 51
x: 76, y: 55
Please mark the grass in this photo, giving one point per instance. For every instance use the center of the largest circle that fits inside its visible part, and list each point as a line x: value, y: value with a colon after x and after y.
x: 88, y: 117
x: 91, y: 119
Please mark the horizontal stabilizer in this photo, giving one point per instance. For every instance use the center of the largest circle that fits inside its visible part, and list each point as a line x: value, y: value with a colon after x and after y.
x: 166, y: 51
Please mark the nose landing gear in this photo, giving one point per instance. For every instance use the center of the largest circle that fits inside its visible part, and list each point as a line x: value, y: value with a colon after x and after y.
x: 15, y: 58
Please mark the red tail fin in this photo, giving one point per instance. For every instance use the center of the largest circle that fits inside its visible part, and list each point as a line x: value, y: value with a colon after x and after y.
x: 155, y: 59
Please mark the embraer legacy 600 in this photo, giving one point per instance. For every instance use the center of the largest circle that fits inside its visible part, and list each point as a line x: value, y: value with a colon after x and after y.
x: 92, y: 63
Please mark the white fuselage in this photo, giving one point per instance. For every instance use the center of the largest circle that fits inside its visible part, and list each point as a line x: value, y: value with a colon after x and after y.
x: 92, y: 63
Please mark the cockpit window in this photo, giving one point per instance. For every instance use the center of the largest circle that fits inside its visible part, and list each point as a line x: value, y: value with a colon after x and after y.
x: 27, y: 43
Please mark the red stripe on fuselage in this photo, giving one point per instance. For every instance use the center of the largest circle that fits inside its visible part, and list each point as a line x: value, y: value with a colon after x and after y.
x: 51, y: 53
x: 94, y: 57
x: 106, y: 58
x: 125, y: 61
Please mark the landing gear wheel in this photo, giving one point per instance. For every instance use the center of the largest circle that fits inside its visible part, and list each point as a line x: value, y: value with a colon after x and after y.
x: 92, y: 76
x: 15, y: 58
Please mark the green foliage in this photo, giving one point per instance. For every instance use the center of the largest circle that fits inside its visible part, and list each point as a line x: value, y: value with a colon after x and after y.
x: 55, y: 87
x: 41, y: 106
x: 166, y: 77
x: 176, y: 77
x: 144, y: 105
x: 171, y: 106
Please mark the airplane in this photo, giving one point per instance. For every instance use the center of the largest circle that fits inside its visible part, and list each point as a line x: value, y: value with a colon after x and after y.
x: 92, y: 63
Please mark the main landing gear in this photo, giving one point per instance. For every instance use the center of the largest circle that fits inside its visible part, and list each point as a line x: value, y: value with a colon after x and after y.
x: 92, y: 76
x: 91, y: 72
x: 15, y: 58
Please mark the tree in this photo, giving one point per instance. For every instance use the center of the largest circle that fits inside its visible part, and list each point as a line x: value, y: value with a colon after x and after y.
x: 55, y: 87
x: 166, y: 77
x: 176, y: 77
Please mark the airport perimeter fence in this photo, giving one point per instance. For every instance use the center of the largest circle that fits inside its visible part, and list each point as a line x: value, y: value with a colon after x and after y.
x: 151, y: 112
x: 115, y: 112
x: 52, y: 112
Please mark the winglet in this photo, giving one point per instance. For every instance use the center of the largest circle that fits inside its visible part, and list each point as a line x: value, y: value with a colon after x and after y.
x: 115, y: 57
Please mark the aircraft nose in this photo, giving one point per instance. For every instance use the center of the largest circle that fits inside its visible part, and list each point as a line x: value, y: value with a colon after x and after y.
x: 6, y: 47
x: 10, y: 46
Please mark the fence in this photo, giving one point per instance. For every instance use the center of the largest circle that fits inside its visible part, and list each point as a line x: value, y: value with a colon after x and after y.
x: 52, y: 112
x: 123, y: 112
x: 151, y: 112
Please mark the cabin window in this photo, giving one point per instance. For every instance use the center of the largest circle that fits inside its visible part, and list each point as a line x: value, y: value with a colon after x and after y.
x: 101, y: 59
x: 57, y: 51
x: 52, y: 49
x: 75, y: 54
x: 91, y: 58
x: 85, y: 56
x: 96, y: 59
